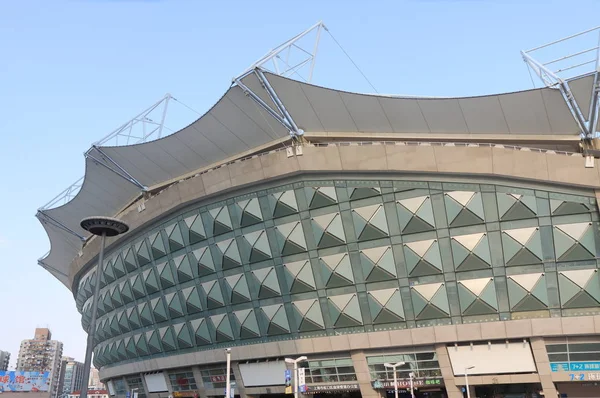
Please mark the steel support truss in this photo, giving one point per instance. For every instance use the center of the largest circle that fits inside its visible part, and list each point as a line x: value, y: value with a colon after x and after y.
x: 279, y: 59
x: 128, y: 133
x: 44, y: 218
x: 587, y: 119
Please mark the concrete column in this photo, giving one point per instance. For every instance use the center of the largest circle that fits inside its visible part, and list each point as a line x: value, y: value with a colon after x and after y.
x: 144, y: 385
x: 239, y: 382
x: 199, y: 381
x: 540, y: 355
x: 359, y: 360
x: 447, y: 374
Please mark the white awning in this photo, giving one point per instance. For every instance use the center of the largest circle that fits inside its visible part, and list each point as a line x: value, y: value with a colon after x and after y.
x: 236, y: 124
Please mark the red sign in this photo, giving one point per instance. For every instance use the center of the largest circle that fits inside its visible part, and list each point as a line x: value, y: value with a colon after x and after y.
x: 218, y: 379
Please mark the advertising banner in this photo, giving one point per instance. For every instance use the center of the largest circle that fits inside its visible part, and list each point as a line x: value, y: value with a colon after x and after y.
x: 16, y: 381
x: 405, y: 383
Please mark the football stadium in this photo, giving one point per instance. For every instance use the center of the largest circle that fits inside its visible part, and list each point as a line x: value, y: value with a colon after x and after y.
x: 451, y: 243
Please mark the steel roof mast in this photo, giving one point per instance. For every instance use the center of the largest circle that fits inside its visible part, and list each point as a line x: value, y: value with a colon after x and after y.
x: 553, y: 74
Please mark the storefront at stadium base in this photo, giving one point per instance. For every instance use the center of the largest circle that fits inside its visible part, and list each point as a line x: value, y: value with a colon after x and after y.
x: 342, y: 374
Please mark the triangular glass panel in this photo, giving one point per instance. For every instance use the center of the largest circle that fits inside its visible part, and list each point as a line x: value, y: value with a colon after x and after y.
x: 523, y: 257
x: 386, y: 316
x: 282, y: 210
x: 134, y: 318
x: 363, y: 193
x: 575, y: 253
x: 568, y: 208
x: 529, y: 303
x: 184, y: 269
x: 193, y: 304
x: 275, y: 330
x: 212, y: 303
x: 431, y: 312
x: 130, y: 261
x: 204, y: 258
x: 257, y: 256
x: 328, y: 240
x: 290, y: 248
x: 320, y: 200
x: 300, y: 287
x: 344, y: 321
x: 308, y: 326
x: 249, y: 219
x: 145, y: 314
x: 196, y: 232
x: 184, y: 338
x: 117, y: 301
x: 167, y: 338
x: 518, y: 211
x: 130, y: 348
x: 141, y: 345
x: 464, y: 218
x: 153, y: 342
x: 201, y: 333
x: 119, y: 267
x: 174, y: 304
x: 137, y: 287
x: 109, y: 274
x: 220, y: 228
x: 423, y: 268
x: 166, y: 275
x: 175, y: 238
x: 150, y: 281
x: 378, y: 274
x: 336, y: 280
x: 370, y: 233
x: 229, y: 263
x: 123, y: 323
x: 158, y: 246
x: 158, y: 310
x: 472, y: 262
x: 582, y: 300
x: 416, y: 225
x: 479, y: 308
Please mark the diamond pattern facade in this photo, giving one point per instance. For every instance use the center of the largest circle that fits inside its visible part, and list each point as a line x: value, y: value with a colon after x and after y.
x: 343, y: 257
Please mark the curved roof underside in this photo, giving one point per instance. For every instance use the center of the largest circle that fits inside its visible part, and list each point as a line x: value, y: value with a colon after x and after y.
x: 236, y: 125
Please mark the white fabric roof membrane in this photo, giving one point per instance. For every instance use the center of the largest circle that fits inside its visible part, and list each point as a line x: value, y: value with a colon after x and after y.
x: 236, y: 124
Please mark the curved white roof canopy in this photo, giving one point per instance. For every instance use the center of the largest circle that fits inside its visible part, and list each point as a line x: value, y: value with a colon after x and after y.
x: 236, y: 124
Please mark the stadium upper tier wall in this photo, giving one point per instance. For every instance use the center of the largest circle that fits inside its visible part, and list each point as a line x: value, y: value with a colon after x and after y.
x: 344, y: 247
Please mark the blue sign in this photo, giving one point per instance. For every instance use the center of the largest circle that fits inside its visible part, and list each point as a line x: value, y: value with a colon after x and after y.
x: 128, y: 394
x: 574, y: 366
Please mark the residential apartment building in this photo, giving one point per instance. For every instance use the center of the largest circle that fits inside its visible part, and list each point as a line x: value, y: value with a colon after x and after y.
x: 71, y: 377
x: 94, y: 381
x: 42, y: 354
x: 4, y: 360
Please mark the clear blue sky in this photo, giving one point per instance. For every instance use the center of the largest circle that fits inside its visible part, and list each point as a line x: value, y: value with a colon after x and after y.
x: 71, y: 71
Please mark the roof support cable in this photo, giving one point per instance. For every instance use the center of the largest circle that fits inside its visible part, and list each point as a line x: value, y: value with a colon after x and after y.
x: 120, y: 171
x: 50, y: 268
x: 46, y: 218
x: 351, y: 60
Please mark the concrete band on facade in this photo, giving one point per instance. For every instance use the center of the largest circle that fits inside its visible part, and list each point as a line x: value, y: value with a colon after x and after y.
x: 522, y: 170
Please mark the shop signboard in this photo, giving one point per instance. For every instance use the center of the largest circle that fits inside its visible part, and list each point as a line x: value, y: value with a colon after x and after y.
x: 218, y: 379
x: 288, y: 381
x: 302, y: 379
x: 321, y: 388
x: 405, y: 383
x: 574, y: 366
x: 17, y: 381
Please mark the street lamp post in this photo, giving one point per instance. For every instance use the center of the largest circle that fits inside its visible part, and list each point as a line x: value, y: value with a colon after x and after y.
x: 103, y: 227
x: 134, y: 393
x: 394, y: 366
x: 295, y: 363
x: 412, y: 384
x: 228, y: 376
x: 467, y: 380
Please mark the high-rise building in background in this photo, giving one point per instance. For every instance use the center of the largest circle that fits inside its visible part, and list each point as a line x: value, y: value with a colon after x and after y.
x: 4, y: 359
x: 94, y: 381
x: 42, y: 354
x: 71, y: 377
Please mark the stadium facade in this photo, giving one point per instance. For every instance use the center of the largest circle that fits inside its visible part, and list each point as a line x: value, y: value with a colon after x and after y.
x: 455, y: 235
